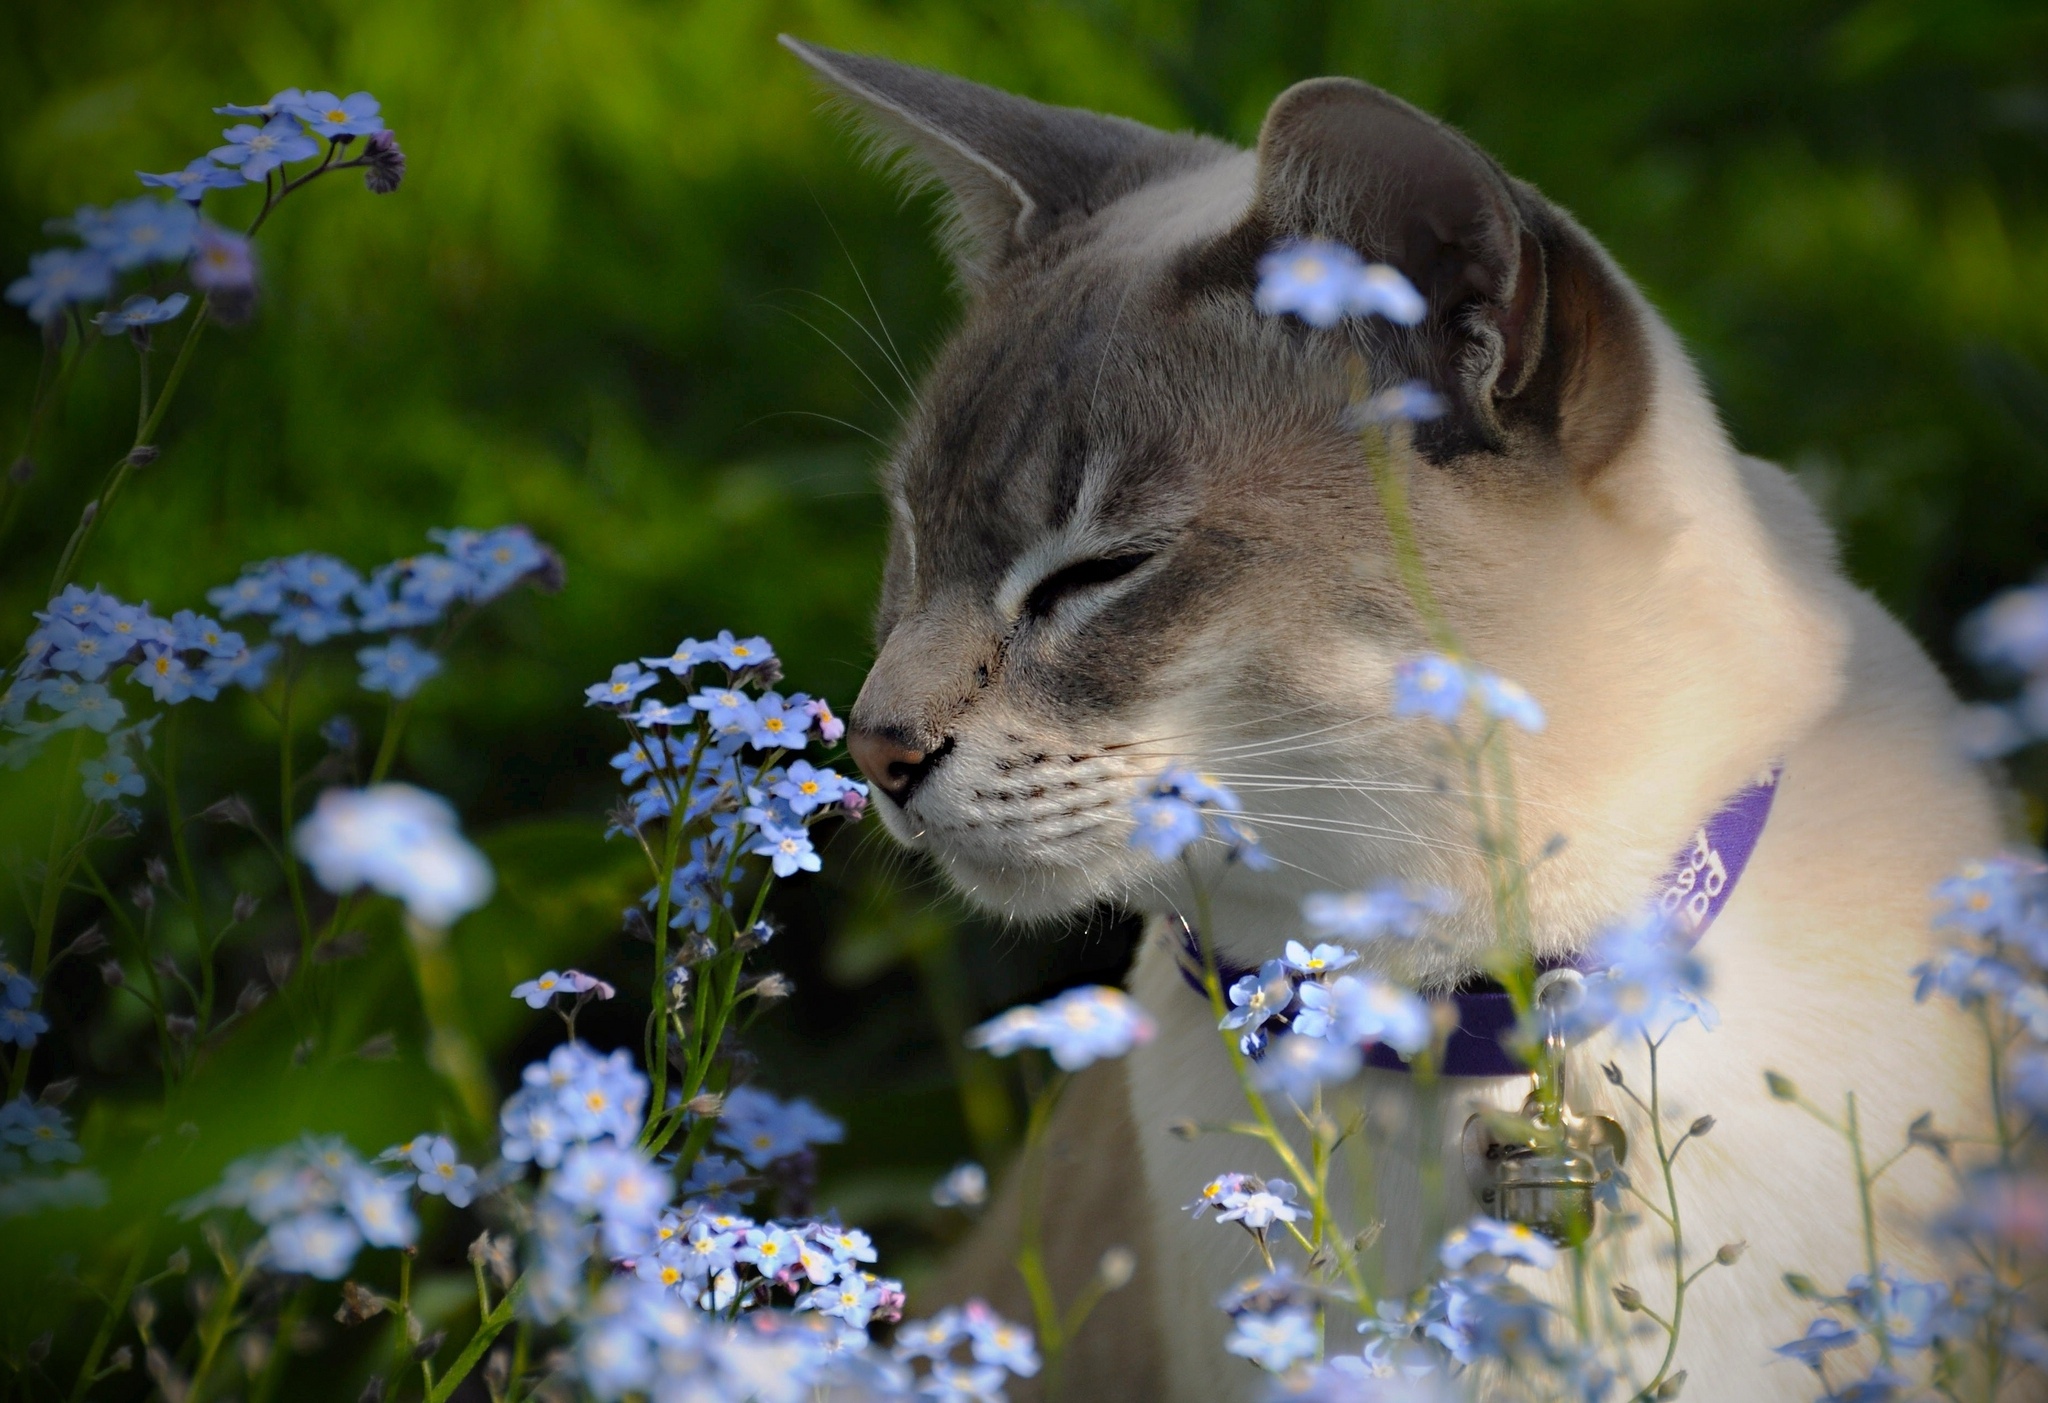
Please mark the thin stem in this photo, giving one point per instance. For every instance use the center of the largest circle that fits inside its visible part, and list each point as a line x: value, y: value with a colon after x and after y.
x: 487, y: 1330
x: 1678, y: 1276
x: 116, y: 1304
x: 1854, y: 1133
x: 287, y: 786
x: 1030, y: 1248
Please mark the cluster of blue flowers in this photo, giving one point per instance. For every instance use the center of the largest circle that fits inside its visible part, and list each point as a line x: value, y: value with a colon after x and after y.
x: 1180, y: 808
x: 2010, y: 637
x: 398, y: 840
x: 1440, y: 687
x: 716, y: 756
x: 20, y: 1021
x: 1077, y: 1028
x: 148, y: 232
x: 85, y: 638
x: 319, y: 1205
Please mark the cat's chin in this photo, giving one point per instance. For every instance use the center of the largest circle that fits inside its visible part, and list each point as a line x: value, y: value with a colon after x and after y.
x: 1024, y: 893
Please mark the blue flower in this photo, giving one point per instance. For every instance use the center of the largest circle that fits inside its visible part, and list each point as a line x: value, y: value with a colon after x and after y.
x: 321, y: 578
x: 281, y: 102
x: 2027, y: 1081
x: 1411, y: 401
x: 788, y: 850
x: 1295, y: 1066
x: 995, y: 1341
x: 380, y: 611
x: 258, y: 151
x: 1388, y: 909
x: 1965, y: 976
x: 320, y: 1244
x: 688, y: 655
x: 260, y: 590
x: 1907, y: 1309
x: 775, y: 726
x: 143, y: 230
x: 82, y: 704
x: 139, y: 311
x: 1275, y: 1342
x: 198, y: 177
x: 1431, y: 685
x: 441, y: 1170
x: 378, y: 1208
x: 660, y: 713
x: 738, y: 653
x: 197, y: 633
x: 1165, y: 826
x: 805, y: 787
x: 540, y: 989
x: 399, y: 667
x: 1079, y: 1027
x: 965, y: 1185
x: 497, y: 559
x: 2012, y: 630
x: 1880, y: 1385
x: 762, y: 1128
x: 1511, y: 1242
x: 1649, y: 982
x: 222, y: 261
x: 16, y: 988
x: 21, y: 1026
x: 111, y: 778
x: 1364, y: 1008
x: 1324, y: 959
x: 1259, y: 1205
x: 1323, y: 282
x: 331, y: 116
x: 400, y: 840
x: 1258, y: 998
x: 1822, y: 1336
x: 618, y: 1184
x: 57, y: 278
x: 626, y: 683
x: 246, y: 669
x: 41, y: 1132
x: 84, y: 652
x: 1503, y: 700
x: 1988, y: 896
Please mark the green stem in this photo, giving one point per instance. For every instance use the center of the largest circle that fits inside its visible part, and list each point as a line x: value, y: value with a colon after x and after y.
x: 1677, y: 1232
x: 182, y: 850
x: 116, y: 1304
x: 1030, y: 1229
x: 265, y: 1384
x: 1854, y: 1132
x: 89, y: 523
x: 213, y: 1329
x: 287, y: 786
x: 487, y: 1330
x: 64, y: 851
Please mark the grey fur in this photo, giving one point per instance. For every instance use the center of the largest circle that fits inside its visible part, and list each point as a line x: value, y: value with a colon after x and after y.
x: 1112, y: 392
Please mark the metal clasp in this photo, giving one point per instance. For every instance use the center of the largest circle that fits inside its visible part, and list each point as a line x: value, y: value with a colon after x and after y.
x: 1541, y: 1168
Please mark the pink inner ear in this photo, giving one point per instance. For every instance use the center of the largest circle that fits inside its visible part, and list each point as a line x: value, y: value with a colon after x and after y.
x: 1521, y: 321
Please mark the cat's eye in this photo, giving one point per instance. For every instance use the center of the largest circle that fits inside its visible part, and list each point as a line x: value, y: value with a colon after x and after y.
x: 1082, y: 575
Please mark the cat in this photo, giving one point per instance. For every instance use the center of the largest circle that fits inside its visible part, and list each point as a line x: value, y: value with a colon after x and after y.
x: 1131, y: 529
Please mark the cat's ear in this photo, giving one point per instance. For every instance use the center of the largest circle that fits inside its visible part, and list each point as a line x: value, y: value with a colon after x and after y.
x: 1529, y: 329
x: 1013, y: 169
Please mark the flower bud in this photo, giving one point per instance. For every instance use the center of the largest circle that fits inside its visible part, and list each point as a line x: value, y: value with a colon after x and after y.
x: 1700, y: 1127
x: 383, y: 164
x: 58, y: 1092
x: 253, y: 1349
x: 181, y: 1026
x: 1612, y: 1071
x: 165, y: 966
x: 1731, y: 1253
x: 39, y: 1348
x: 1117, y: 1267
x: 251, y: 998
x: 429, y: 1347
x: 234, y: 809
x: 278, y: 964
x: 89, y: 941
x: 158, y: 874
x: 143, y: 1308
x: 245, y: 905
x: 121, y: 1360
x: 373, y: 1391
x: 706, y: 1103
x: 1922, y: 1133
x: 179, y: 1262
x: 1628, y: 1298
x: 1781, y: 1086
x: 1184, y: 1130
x: 143, y: 896
x: 143, y: 454
x: 773, y: 987
x: 23, y: 471
x: 1671, y: 1387
x: 112, y: 974
x: 1801, y: 1286
x: 379, y: 1047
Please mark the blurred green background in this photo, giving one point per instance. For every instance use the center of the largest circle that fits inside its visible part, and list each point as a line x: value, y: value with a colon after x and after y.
x: 635, y: 292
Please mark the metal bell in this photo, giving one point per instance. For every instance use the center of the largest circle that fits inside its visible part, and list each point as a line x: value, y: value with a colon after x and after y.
x: 1542, y: 1168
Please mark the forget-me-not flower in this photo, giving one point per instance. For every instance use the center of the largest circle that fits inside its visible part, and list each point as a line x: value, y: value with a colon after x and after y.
x: 331, y: 116
x: 257, y: 151
x: 199, y: 176
x: 59, y: 277
x: 398, y: 667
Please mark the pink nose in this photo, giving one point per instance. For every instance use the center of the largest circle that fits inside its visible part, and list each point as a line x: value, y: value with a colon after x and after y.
x: 890, y: 765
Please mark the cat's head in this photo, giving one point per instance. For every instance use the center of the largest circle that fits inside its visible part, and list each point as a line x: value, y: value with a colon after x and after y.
x: 1131, y: 526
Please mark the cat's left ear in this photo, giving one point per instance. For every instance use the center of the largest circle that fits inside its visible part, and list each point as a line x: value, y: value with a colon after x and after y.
x: 1014, y: 170
x: 1531, y: 333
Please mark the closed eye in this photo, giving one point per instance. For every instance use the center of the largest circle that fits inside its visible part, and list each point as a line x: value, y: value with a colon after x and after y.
x: 1082, y: 575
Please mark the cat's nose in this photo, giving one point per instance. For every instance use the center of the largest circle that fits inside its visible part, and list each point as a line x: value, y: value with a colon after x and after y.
x: 890, y: 765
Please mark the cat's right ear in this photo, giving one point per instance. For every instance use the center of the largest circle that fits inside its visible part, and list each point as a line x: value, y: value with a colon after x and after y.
x: 1013, y: 170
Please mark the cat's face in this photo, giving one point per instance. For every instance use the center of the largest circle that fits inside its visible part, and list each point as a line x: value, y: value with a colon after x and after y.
x: 1131, y: 528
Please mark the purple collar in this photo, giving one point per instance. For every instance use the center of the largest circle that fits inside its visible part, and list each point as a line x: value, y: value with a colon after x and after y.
x: 1700, y: 881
